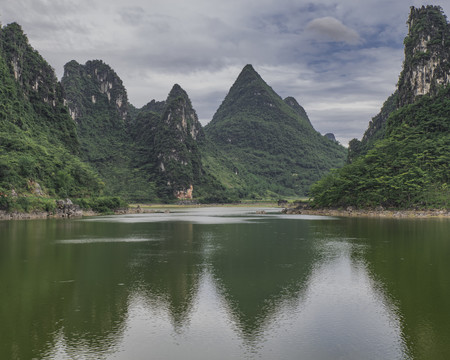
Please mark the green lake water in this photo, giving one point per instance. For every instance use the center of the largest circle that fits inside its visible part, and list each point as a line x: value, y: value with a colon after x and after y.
x: 225, y: 283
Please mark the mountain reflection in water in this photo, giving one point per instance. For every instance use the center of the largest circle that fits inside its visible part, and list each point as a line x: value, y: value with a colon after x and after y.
x: 223, y: 283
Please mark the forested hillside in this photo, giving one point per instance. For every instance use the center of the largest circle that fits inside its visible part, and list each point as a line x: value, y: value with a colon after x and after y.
x: 98, y: 103
x: 406, y: 163
x: 81, y: 137
x: 38, y: 139
x: 272, y: 138
x: 150, y: 154
x: 172, y: 149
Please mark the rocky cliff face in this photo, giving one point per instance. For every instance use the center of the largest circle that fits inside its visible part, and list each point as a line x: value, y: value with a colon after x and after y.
x: 35, y: 76
x: 98, y: 104
x: 427, y: 54
x: 37, y: 82
x: 169, y: 132
x: 179, y: 114
x: 93, y: 85
x: 39, y: 146
x: 426, y: 70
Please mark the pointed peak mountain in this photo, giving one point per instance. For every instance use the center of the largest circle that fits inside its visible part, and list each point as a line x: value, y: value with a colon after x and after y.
x: 249, y: 70
x: 273, y: 139
x: 180, y: 113
x: 248, y: 75
x: 177, y: 92
x: 177, y: 88
x: 249, y: 67
x: 249, y: 92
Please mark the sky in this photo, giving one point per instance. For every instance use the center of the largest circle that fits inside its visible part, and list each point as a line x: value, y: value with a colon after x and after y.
x: 339, y: 59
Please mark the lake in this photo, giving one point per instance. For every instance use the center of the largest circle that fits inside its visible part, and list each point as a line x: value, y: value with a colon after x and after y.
x: 225, y: 283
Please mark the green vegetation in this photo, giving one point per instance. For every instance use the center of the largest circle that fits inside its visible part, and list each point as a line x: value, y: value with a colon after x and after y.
x: 410, y: 167
x: 172, y: 143
x: 277, y: 150
x: 103, y: 204
x: 375, y: 132
x: 98, y: 102
x: 403, y: 160
x: 82, y: 139
x: 38, y: 140
x: 26, y: 204
x: 172, y: 149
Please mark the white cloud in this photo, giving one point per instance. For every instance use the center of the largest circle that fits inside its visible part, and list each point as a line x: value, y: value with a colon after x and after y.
x: 330, y: 29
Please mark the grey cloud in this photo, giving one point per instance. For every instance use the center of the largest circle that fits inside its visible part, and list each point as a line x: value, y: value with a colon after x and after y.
x: 204, y: 44
x: 132, y: 15
x: 328, y: 28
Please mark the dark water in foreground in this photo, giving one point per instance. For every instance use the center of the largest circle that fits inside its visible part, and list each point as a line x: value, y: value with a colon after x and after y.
x: 224, y: 283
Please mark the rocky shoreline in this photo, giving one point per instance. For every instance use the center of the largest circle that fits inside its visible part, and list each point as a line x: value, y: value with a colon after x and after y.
x: 65, y: 209
x: 375, y: 213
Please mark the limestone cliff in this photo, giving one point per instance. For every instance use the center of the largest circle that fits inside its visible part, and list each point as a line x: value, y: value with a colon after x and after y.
x: 35, y: 76
x: 98, y: 104
x: 38, y: 84
x: 92, y: 86
x: 169, y: 133
x: 39, y: 146
x: 426, y: 70
x: 427, y: 54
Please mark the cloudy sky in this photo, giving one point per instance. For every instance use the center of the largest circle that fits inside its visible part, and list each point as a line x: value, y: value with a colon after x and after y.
x: 339, y: 59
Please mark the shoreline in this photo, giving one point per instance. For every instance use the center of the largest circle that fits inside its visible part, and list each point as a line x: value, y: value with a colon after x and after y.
x: 394, y: 214
x: 165, y: 208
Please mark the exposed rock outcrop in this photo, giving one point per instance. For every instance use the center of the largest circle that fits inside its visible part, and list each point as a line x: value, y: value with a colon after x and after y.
x: 93, y: 84
x: 171, y: 133
x: 66, y: 208
x: 426, y: 69
x: 427, y: 54
x: 185, y: 194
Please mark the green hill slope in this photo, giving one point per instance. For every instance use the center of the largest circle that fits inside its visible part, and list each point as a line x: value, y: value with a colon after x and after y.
x: 271, y: 139
x: 98, y: 103
x: 173, y: 150
x: 38, y: 139
x: 409, y: 164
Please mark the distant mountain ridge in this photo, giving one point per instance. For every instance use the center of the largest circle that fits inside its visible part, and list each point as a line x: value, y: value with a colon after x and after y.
x: 84, y: 137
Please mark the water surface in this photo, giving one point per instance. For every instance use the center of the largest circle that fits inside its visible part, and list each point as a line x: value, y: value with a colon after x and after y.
x: 224, y: 283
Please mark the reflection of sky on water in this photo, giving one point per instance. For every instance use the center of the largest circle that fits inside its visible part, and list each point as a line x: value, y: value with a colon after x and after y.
x: 177, y: 289
x: 212, y: 215
x: 104, y: 240
x: 208, y: 215
x: 342, y: 315
x: 339, y: 312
